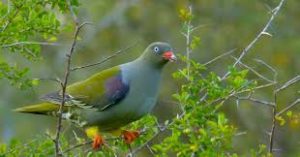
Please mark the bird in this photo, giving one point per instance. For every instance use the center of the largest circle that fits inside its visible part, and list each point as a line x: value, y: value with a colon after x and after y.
x: 112, y: 98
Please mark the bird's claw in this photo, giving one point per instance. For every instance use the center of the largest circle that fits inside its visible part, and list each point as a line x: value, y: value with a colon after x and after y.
x: 130, y: 136
x: 97, y: 142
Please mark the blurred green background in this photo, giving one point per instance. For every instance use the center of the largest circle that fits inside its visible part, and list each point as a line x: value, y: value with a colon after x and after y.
x: 225, y: 25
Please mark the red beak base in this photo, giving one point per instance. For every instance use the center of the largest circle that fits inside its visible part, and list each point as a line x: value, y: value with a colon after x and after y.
x: 169, y: 55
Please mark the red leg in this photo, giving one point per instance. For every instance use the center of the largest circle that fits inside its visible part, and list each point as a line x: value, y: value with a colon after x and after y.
x: 97, y: 142
x: 130, y: 136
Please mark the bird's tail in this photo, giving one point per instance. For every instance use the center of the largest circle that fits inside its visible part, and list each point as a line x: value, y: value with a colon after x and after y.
x: 45, y: 108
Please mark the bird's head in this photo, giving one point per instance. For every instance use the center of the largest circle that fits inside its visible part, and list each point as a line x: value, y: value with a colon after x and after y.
x: 158, y: 54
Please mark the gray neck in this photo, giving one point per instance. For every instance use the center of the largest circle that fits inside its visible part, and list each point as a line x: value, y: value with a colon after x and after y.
x: 140, y: 69
x: 150, y: 62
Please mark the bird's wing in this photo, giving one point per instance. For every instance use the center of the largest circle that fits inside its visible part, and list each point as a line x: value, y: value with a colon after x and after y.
x: 100, y: 91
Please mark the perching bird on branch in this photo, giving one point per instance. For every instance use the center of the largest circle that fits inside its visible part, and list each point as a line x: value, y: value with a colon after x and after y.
x: 112, y: 98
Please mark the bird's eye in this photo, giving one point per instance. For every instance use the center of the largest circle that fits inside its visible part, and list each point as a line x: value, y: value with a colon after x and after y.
x: 156, y: 49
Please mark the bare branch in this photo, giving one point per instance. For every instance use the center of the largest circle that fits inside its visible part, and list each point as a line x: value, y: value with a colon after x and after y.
x: 263, y: 32
x: 187, y: 36
x: 150, y: 149
x: 259, y: 35
x: 269, y: 67
x: 289, y: 83
x: 288, y: 107
x: 29, y: 43
x: 256, y: 100
x: 241, y: 133
x: 64, y: 84
x: 105, y: 59
x: 220, y: 56
x: 197, y: 27
x: 274, y: 111
x: 254, y: 71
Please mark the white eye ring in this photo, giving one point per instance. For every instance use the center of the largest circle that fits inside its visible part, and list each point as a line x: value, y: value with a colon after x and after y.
x: 156, y: 49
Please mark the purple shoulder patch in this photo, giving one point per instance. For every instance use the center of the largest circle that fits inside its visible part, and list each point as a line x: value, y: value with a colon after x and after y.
x: 116, y: 89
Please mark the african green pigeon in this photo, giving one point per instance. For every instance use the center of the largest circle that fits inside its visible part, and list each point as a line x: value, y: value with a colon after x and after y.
x: 112, y: 98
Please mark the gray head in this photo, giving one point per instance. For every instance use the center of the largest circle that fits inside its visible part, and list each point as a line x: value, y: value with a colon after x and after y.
x: 158, y: 54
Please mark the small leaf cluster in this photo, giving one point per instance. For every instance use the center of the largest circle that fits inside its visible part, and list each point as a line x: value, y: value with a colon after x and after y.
x: 290, y: 118
x: 261, y: 151
x: 16, y: 76
x: 185, y: 15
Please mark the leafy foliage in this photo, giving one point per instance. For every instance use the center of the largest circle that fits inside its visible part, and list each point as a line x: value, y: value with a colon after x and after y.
x: 21, y: 24
x: 202, y: 129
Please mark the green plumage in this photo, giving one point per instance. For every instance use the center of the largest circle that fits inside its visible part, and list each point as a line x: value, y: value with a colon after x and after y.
x: 91, y: 90
x: 42, y: 108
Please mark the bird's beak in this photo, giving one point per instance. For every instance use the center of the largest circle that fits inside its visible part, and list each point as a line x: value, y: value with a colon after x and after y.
x: 169, y: 55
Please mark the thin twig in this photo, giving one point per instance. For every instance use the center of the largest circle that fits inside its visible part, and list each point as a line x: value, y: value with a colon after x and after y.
x: 259, y: 35
x: 105, y: 59
x: 187, y: 35
x: 220, y: 56
x: 160, y: 130
x: 288, y: 107
x: 289, y: 83
x: 263, y: 32
x: 256, y: 100
x: 77, y: 146
x: 87, y: 143
x: 29, y: 43
x: 150, y: 149
x: 268, y: 66
x: 254, y: 71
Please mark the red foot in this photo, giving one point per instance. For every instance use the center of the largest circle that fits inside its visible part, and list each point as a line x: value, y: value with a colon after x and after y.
x: 97, y: 142
x: 130, y: 136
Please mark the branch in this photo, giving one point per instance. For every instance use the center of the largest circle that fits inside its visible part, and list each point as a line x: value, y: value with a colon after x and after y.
x: 105, y: 59
x: 77, y: 146
x: 219, y: 57
x: 256, y: 100
x: 87, y: 143
x: 289, y: 83
x: 286, y: 85
x: 263, y: 32
x: 64, y: 84
x: 254, y: 71
x: 268, y: 66
x: 274, y: 111
x: 187, y: 36
x: 29, y: 43
x: 288, y: 107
